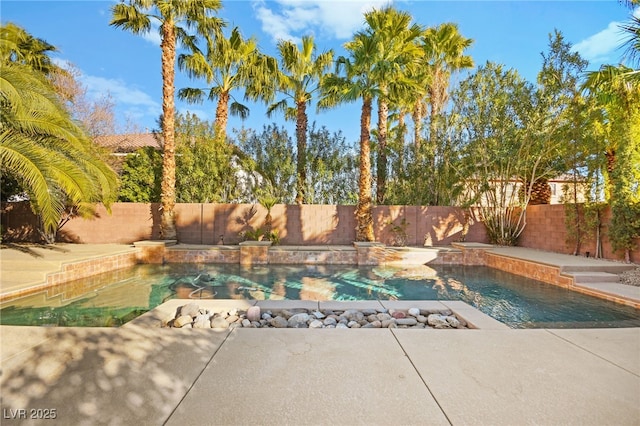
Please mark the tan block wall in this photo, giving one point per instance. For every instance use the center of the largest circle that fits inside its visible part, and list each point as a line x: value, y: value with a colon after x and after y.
x: 546, y: 230
x: 297, y: 225
x: 215, y: 223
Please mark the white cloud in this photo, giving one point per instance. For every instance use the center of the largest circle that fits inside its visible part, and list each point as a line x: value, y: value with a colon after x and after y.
x: 119, y: 91
x: 290, y: 19
x: 603, y: 46
x: 153, y: 35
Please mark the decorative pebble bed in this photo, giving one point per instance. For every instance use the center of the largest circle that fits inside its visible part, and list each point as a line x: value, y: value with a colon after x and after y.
x: 192, y: 316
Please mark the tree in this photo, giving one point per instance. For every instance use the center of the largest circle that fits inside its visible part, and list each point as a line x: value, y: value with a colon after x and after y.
x: 443, y: 48
x: 229, y: 64
x: 175, y: 18
x: 268, y: 161
x: 205, y: 171
x: 141, y: 176
x: 353, y: 81
x: 17, y: 46
x: 618, y: 98
x: 41, y: 147
x: 492, y: 109
x: 396, y: 51
x: 332, y: 166
x: 298, y: 79
x: 559, y: 101
x: 96, y: 116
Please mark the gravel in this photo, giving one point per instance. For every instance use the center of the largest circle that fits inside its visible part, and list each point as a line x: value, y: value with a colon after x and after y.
x: 631, y: 277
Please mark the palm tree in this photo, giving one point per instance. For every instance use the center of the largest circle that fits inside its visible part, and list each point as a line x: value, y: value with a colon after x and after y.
x: 443, y: 48
x: 632, y: 43
x: 299, y: 78
x: 41, y: 147
x: 230, y: 63
x: 18, y: 46
x: 355, y: 84
x: 619, y: 99
x: 175, y: 18
x: 391, y: 30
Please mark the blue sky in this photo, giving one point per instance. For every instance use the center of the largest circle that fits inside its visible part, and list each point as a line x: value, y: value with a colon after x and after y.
x: 127, y: 66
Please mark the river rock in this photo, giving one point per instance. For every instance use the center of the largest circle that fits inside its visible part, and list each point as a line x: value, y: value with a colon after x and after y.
x: 437, y: 320
x: 341, y: 325
x: 182, y: 320
x: 421, y: 319
x: 279, y: 322
x: 453, y: 321
x: 219, y: 323
x: 414, y: 312
x: 353, y: 324
x: 246, y: 323
x: 202, y: 321
x: 398, y: 314
x: 231, y: 319
x: 384, y: 317
x: 318, y: 314
x: 316, y: 323
x: 406, y: 321
x: 387, y: 323
x: 330, y: 321
x: 191, y: 309
x: 298, y: 320
x: 253, y: 313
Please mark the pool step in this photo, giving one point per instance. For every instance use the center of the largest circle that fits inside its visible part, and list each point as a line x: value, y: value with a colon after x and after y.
x: 610, y: 267
x: 595, y: 277
x: 615, y: 290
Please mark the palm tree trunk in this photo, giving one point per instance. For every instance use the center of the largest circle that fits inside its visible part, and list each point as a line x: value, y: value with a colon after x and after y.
x: 301, y: 137
x: 381, y: 176
x: 364, y: 215
x: 417, y: 116
x: 222, y: 115
x: 168, y: 196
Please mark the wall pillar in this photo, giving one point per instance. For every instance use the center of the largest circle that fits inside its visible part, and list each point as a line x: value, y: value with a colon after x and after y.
x: 254, y: 253
x: 473, y: 253
x: 152, y: 251
x: 370, y: 253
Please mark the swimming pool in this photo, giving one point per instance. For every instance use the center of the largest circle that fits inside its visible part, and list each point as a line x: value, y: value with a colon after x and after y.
x: 115, y: 298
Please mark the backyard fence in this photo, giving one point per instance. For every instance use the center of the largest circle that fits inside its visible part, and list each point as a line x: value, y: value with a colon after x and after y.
x: 211, y: 224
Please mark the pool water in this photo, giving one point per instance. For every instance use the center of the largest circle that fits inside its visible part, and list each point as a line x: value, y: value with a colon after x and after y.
x: 115, y: 298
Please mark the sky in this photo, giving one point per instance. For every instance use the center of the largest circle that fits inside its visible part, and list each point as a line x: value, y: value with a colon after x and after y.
x: 127, y: 67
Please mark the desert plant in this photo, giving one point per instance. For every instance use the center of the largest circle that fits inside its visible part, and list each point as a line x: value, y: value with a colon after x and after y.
x: 398, y: 233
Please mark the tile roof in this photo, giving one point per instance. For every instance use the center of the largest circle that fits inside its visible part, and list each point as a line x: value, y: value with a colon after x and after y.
x: 129, y: 142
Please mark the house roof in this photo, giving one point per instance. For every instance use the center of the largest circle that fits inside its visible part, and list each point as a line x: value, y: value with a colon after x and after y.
x: 129, y: 142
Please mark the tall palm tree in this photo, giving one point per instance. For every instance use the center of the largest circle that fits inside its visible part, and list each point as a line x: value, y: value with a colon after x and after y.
x: 351, y: 82
x: 394, y: 34
x: 619, y: 99
x: 443, y: 48
x: 631, y: 43
x: 40, y: 145
x: 229, y: 64
x: 298, y: 79
x: 175, y: 18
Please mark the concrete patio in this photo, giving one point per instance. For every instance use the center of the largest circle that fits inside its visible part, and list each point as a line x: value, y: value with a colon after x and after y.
x: 143, y: 376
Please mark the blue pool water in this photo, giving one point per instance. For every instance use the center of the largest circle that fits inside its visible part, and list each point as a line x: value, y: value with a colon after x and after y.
x: 117, y: 297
